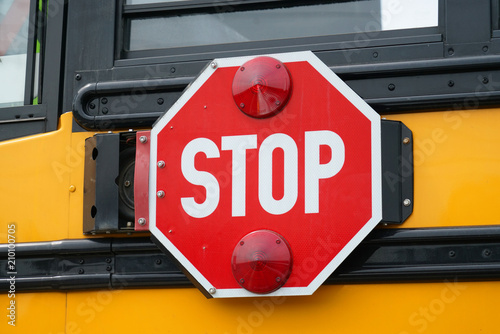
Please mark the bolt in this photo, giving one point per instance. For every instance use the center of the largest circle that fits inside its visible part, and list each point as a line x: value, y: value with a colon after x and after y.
x: 391, y: 87
x: 406, y: 140
x: 486, y: 253
x: 375, y: 55
x: 242, y: 68
x: 172, y: 70
x: 485, y: 48
x: 161, y: 164
x: 78, y: 76
x: 81, y: 271
x: 105, y: 110
x: 213, y: 65
x: 108, y: 260
x: 277, y: 103
x: 141, y: 221
x: 242, y: 105
x: 126, y: 183
x: 451, y: 253
x: 72, y: 188
x: 485, y: 80
x: 242, y: 281
x: 242, y: 243
x: 171, y: 127
x: 158, y: 261
x: 407, y: 202
x: 451, y: 83
x: 108, y: 268
x: 92, y: 105
x: 212, y: 291
x: 278, y: 66
x: 278, y: 241
x: 143, y: 139
x: 278, y: 279
x: 104, y: 100
x: 160, y: 194
x: 81, y: 261
x: 451, y: 51
x: 160, y: 101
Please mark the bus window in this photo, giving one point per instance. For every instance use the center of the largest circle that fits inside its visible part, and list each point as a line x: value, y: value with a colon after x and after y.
x: 226, y: 23
x: 13, y: 51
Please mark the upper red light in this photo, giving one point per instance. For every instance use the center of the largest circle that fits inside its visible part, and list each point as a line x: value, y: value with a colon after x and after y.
x: 262, y: 261
x: 262, y: 87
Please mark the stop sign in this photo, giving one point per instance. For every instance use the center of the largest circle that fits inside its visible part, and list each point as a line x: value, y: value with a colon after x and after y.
x: 265, y: 175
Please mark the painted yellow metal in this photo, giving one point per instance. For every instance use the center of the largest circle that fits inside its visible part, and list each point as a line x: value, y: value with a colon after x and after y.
x: 390, y: 308
x: 457, y: 183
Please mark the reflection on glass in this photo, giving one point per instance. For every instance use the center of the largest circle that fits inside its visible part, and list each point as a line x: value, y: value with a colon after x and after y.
x: 229, y: 25
x: 13, y: 49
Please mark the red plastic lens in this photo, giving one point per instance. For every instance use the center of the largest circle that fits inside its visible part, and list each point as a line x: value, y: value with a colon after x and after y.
x: 262, y: 261
x: 262, y: 87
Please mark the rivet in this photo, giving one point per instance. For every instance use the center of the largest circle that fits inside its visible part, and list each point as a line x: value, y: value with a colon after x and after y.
x: 406, y: 140
x: 171, y: 127
x: 172, y: 70
x: 92, y: 105
x: 105, y: 110
x: 486, y: 252
x: 242, y: 243
x: 81, y: 261
x: 160, y: 194
x: 78, y: 76
x: 451, y: 253
x: 451, y: 51
x: 278, y: 241
x: 108, y: 268
x: 169, y: 231
x: 242, y: 105
x: 72, y: 188
x: 242, y: 68
x: 485, y: 48
x: 391, y: 87
x: 158, y: 261
x: 485, y: 80
x: 212, y: 291
x: 278, y: 66
x: 242, y: 281
x: 213, y: 65
x: 278, y: 279
x: 141, y: 221
x: 451, y: 83
x: 127, y: 183
x: 81, y: 271
x: 108, y: 260
x: 160, y: 101
x: 407, y: 202
x: 375, y: 54
x: 161, y: 164
x: 104, y: 100
x: 143, y: 139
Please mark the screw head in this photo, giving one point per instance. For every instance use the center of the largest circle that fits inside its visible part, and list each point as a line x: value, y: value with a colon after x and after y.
x: 127, y: 183
x: 108, y: 268
x: 105, y: 110
x: 81, y: 271
x: 391, y: 87
x: 143, y: 139
x: 160, y: 101
x: 161, y: 164
x: 406, y: 140
x: 160, y: 194
x: 485, y: 80
x: 407, y: 202
x: 104, y: 100
x: 72, y: 188
x: 451, y: 83
x: 78, y: 76
x: 212, y: 291
x: 141, y: 221
x: 213, y: 65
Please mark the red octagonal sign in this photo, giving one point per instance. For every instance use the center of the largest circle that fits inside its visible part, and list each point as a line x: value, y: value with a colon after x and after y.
x: 265, y: 175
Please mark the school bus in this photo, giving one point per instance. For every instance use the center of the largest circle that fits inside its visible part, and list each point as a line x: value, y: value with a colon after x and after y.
x: 75, y: 72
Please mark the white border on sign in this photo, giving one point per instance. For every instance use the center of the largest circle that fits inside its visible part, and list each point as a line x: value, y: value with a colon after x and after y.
x: 342, y: 87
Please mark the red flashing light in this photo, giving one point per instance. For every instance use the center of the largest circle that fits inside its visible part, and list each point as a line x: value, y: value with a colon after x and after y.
x: 262, y: 87
x: 262, y: 261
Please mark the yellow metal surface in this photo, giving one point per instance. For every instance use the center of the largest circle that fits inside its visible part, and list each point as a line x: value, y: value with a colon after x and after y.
x: 391, y: 308
x: 457, y: 183
x: 34, y: 313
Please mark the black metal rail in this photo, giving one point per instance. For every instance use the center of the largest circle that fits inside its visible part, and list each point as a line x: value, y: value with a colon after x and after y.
x: 387, y: 255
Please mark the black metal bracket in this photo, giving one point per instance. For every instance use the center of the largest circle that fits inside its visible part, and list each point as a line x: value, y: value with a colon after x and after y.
x: 385, y: 256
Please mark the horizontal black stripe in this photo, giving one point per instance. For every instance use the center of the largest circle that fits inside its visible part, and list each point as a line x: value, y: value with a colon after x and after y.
x: 387, y: 255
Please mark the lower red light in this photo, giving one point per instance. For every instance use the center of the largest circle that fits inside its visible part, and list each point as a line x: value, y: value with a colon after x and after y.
x: 262, y: 261
x: 262, y: 87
